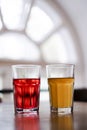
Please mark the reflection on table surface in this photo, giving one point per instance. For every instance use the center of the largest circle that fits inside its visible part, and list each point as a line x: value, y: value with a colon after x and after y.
x: 27, y: 122
x: 44, y: 120
x: 61, y: 122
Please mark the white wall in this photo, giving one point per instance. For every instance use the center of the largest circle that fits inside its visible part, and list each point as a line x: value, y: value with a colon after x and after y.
x: 77, y: 12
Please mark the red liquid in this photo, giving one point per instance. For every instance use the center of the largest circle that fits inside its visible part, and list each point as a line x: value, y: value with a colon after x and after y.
x: 26, y: 93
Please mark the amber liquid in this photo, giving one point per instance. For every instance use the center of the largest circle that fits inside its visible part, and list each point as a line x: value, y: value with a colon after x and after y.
x: 61, y: 92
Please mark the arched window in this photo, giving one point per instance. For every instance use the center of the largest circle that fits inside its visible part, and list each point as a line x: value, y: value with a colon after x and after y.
x: 34, y: 32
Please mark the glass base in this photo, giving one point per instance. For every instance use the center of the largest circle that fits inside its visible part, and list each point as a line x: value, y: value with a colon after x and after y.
x: 27, y: 111
x: 62, y: 110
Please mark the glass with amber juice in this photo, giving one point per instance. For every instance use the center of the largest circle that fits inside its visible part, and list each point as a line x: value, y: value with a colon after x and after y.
x: 61, y: 86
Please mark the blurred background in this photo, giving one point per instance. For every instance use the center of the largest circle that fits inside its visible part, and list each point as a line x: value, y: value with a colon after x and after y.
x: 43, y: 32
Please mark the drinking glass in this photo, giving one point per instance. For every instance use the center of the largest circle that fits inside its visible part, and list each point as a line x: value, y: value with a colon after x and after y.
x: 26, y: 85
x: 61, y: 87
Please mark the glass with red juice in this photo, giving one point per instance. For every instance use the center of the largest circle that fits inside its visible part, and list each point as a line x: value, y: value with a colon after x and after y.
x: 26, y: 85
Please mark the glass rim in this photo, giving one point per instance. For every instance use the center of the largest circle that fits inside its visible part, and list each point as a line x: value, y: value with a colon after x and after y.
x: 60, y: 65
x: 25, y: 65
